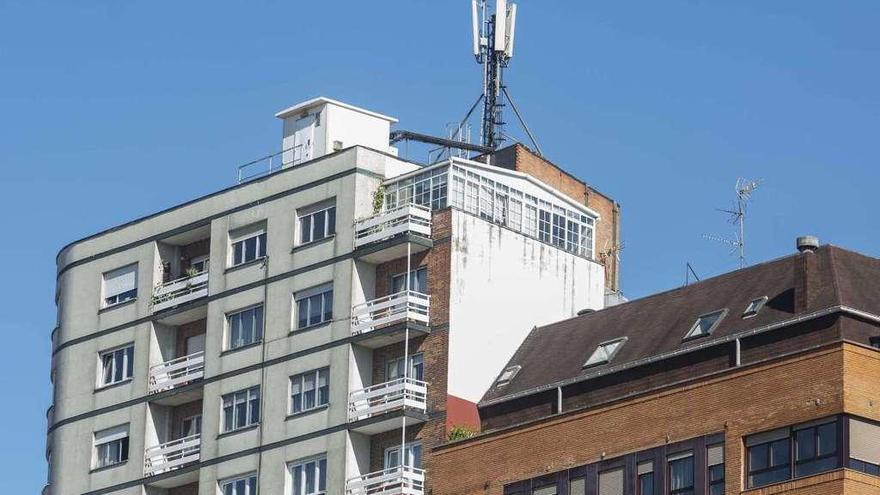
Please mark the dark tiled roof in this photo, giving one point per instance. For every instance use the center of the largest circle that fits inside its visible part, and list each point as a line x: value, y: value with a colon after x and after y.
x: 657, y: 324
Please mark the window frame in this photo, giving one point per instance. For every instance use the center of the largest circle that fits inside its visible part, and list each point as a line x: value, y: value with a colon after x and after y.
x: 416, y: 363
x: 673, y: 458
x: 754, y: 307
x: 121, y: 297
x: 318, y: 461
x: 123, y: 450
x: 690, y: 335
x: 599, y: 359
x: 712, y: 482
x: 260, y: 244
x: 127, y: 351
x: 300, y: 379
x: 325, y: 292
x: 257, y: 331
x: 817, y: 457
x: 413, y: 273
x: 407, y: 448
x: 510, y: 372
x: 253, y: 397
x: 230, y: 482
x: 327, y: 210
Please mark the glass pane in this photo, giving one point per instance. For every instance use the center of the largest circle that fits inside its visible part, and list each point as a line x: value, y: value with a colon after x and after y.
x: 310, y: 477
x: 331, y: 221
x: 302, y: 311
x: 262, y: 245
x: 238, y: 254
x: 328, y: 306
x: 129, y: 361
x: 297, y: 480
x: 646, y: 484
x: 681, y: 473
x: 107, y: 366
x: 315, y: 309
x: 319, y: 225
x: 258, y: 324
x: 759, y: 457
x: 827, y: 439
x: 322, y: 475
x: 323, y: 387
x: 254, y: 407
x: 247, y: 326
x: 779, y: 453
x: 118, y: 365
x: 235, y: 331
x: 309, y: 391
x: 240, y: 414
x: 227, y: 416
x: 305, y: 229
x: 250, y: 249
x: 805, y: 444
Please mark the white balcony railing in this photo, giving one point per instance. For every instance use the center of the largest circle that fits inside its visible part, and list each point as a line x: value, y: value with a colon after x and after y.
x: 386, y: 397
x: 179, y: 291
x: 177, y: 372
x: 398, y: 307
x: 171, y: 455
x: 407, y: 218
x: 403, y: 480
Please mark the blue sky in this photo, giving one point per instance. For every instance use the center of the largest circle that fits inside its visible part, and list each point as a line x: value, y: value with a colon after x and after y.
x: 112, y: 110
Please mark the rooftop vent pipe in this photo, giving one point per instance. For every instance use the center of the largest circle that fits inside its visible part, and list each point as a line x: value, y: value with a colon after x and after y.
x: 585, y: 311
x: 807, y: 244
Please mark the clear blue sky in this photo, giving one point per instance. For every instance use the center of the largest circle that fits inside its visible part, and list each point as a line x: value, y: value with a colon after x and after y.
x: 112, y: 110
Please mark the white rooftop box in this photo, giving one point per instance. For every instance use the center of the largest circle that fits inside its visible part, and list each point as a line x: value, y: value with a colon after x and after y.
x: 320, y: 126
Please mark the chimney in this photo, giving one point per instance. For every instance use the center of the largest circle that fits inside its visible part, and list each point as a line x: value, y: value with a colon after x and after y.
x: 806, y: 276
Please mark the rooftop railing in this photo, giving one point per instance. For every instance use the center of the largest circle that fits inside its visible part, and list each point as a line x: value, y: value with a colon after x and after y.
x: 410, y: 218
x: 402, y: 480
x: 171, y: 455
x: 179, y: 291
x: 388, y: 396
x: 177, y: 372
x: 406, y: 305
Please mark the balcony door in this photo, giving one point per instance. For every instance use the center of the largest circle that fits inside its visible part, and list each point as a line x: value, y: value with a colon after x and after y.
x: 304, y: 138
x: 195, y: 344
x: 412, y: 453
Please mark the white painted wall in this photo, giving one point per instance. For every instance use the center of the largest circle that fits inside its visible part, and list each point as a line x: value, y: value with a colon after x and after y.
x: 504, y: 284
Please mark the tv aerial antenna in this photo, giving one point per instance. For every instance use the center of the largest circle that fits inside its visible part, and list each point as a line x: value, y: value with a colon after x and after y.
x: 493, y: 36
x: 737, y: 216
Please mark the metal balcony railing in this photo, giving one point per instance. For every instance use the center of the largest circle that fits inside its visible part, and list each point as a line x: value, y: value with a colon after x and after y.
x: 402, y: 480
x: 177, y: 372
x: 389, y: 396
x: 179, y: 291
x: 171, y: 455
x: 407, y: 218
x: 395, y: 308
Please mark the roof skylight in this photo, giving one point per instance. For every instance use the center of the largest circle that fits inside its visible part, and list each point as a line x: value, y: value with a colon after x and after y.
x: 706, y: 324
x: 605, y: 352
x: 507, y: 375
x: 754, y: 306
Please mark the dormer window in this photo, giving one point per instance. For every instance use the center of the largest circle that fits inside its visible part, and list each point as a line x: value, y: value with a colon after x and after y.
x: 754, y: 306
x: 705, y: 324
x: 605, y: 352
x: 507, y: 375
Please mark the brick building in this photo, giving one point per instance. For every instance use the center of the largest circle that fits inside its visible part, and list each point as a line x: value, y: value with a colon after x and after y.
x: 759, y: 381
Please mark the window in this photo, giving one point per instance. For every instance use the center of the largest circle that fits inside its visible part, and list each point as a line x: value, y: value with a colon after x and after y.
x: 418, y: 281
x: 316, y: 224
x: 768, y: 457
x: 815, y: 449
x: 309, y: 477
x: 715, y: 469
x: 314, y: 306
x: 120, y: 285
x: 645, y: 478
x: 611, y: 482
x: 412, y: 452
x: 605, y: 352
x: 245, y: 485
x: 309, y: 390
x: 116, y: 365
x: 507, y: 375
x: 241, y: 409
x: 249, y: 247
x: 199, y: 264
x: 864, y: 446
x: 111, y: 446
x: 394, y: 368
x: 245, y: 327
x: 706, y: 324
x: 754, y: 306
x: 681, y: 474
x: 577, y: 486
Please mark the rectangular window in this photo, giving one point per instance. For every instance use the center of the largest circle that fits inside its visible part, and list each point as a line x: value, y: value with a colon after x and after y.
x: 314, y: 306
x: 514, y: 219
x: 394, y: 368
x: 487, y: 202
x: 530, y: 220
x: 199, y: 264
x: 768, y: 457
x: 249, y: 248
x: 309, y: 476
x: 418, y: 281
x: 611, y: 482
x: 412, y: 451
x: 681, y: 474
x: 815, y: 449
x: 471, y: 199
x: 117, y: 365
x: 241, y: 409
x: 309, y: 390
x: 715, y: 469
x: 245, y: 327
x: 111, y: 446
x: 458, y: 186
x: 317, y: 224
x: 244, y: 485
x: 645, y: 478
x: 864, y: 446
x: 120, y: 285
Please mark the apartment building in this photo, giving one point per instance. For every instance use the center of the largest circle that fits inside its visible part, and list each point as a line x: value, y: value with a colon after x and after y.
x: 318, y: 328
x: 759, y: 381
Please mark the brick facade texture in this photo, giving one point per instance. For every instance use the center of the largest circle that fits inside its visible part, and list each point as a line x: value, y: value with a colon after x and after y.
x: 743, y: 401
x: 518, y: 157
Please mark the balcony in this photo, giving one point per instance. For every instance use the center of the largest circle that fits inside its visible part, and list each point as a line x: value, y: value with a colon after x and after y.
x: 403, y: 480
x: 177, y: 372
x: 171, y: 455
x: 402, y: 394
x: 182, y: 290
x: 401, y: 307
x: 400, y: 223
